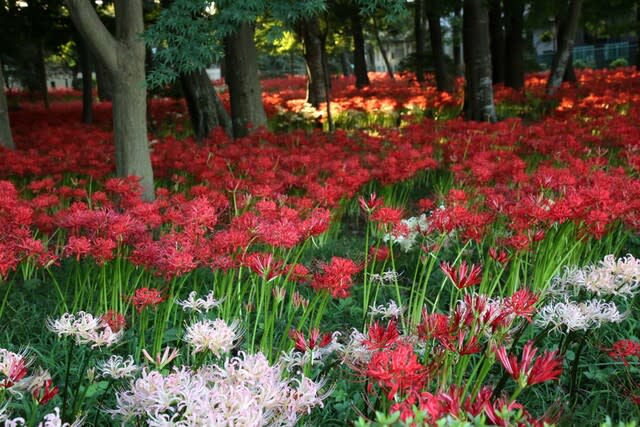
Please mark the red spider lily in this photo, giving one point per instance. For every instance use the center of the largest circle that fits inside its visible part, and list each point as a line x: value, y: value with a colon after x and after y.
x: 501, y: 256
x: 146, y: 297
x: 461, y: 343
x: 379, y: 337
x: 369, y: 206
x: 386, y: 215
x: 336, y: 277
x: 315, y: 340
x: 464, y: 276
x: 621, y: 350
x: 529, y: 371
x: 397, y: 370
x: 379, y: 253
x: 521, y: 304
x: 115, y: 320
x: 17, y: 371
x: 45, y: 393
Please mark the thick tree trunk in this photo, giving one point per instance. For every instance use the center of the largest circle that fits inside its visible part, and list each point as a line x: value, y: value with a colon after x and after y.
x: 42, y: 75
x: 418, y: 31
x: 124, y: 57
x: 313, y: 54
x: 514, y: 61
x: 444, y: 83
x: 497, y: 40
x: 478, y: 96
x: 104, y: 81
x: 566, y: 39
x: 85, y: 69
x: 570, y: 72
x: 241, y: 56
x: 202, y: 101
x: 6, y: 140
x: 359, y: 60
x: 383, y: 51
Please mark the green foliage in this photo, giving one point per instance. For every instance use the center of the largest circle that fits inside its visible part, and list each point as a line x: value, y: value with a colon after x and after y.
x: 188, y: 34
x: 620, y: 62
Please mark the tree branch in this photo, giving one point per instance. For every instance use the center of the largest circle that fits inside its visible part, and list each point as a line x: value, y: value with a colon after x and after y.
x: 102, y: 43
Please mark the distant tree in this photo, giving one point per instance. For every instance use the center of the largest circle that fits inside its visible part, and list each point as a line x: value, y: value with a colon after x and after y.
x: 444, y: 82
x: 566, y: 39
x: 6, y: 140
x: 514, y: 43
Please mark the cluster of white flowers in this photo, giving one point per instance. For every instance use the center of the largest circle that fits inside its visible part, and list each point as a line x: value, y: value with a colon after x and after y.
x: 389, y: 276
x: 356, y: 353
x: 391, y: 310
x: 85, y: 328
x: 116, y: 367
x: 611, y: 276
x: 245, y: 391
x: 214, y: 335
x: 578, y: 316
x: 50, y: 420
x: 415, y: 226
x: 198, y: 304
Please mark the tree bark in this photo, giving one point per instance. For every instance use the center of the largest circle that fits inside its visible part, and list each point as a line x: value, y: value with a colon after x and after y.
x: 383, y: 51
x: 313, y: 54
x: 124, y: 57
x: 566, y: 39
x: 104, y: 81
x: 345, y: 64
x: 497, y: 40
x: 514, y: 61
x: 418, y: 31
x: 202, y: 101
x: 457, y: 50
x: 478, y: 96
x: 6, y: 140
x: 570, y: 72
x: 359, y: 60
x: 444, y: 83
x: 241, y: 56
x: 42, y: 75
x: 87, y: 96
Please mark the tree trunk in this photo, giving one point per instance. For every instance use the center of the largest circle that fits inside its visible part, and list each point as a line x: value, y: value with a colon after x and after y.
x: 202, y: 101
x: 566, y: 39
x: 345, y: 64
x: 359, y: 60
x: 514, y: 61
x: 241, y: 56
x: 124, y: 57
x: 418, y: 31
x: 570, y: 72
x: 478, y: 95
x: 42, y: 75
x: 496, y: 36
x: 383, y: 51
x: 104, y: 81
x: 6, y: 140
x: 313, y: 54
x: 457, y: 50
x: 85, y: 69
x: 443, y: 81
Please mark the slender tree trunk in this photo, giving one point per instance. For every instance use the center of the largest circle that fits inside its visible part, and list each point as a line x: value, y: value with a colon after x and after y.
x: 570, y: 72
x: 566, y: 39
x: 85, y: 69
x: 345, y: 64
x: 124, y: 57
x: 478, y: 96
x: 104, y: 81
x: 313, y: 54
x: 359, y: 60
x: 241, y: 56
x: 514, y: 25
x: 383, y: 51
x: 418, y: 31
x: 42, y: 75
x: 457, y: 50
x: 6, y: 140
x: 202, y: 101
x: 497, y: 40
x: 444, y: 83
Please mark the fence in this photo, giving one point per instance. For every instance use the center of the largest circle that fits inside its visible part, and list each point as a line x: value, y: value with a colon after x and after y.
x: 596, y: 56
